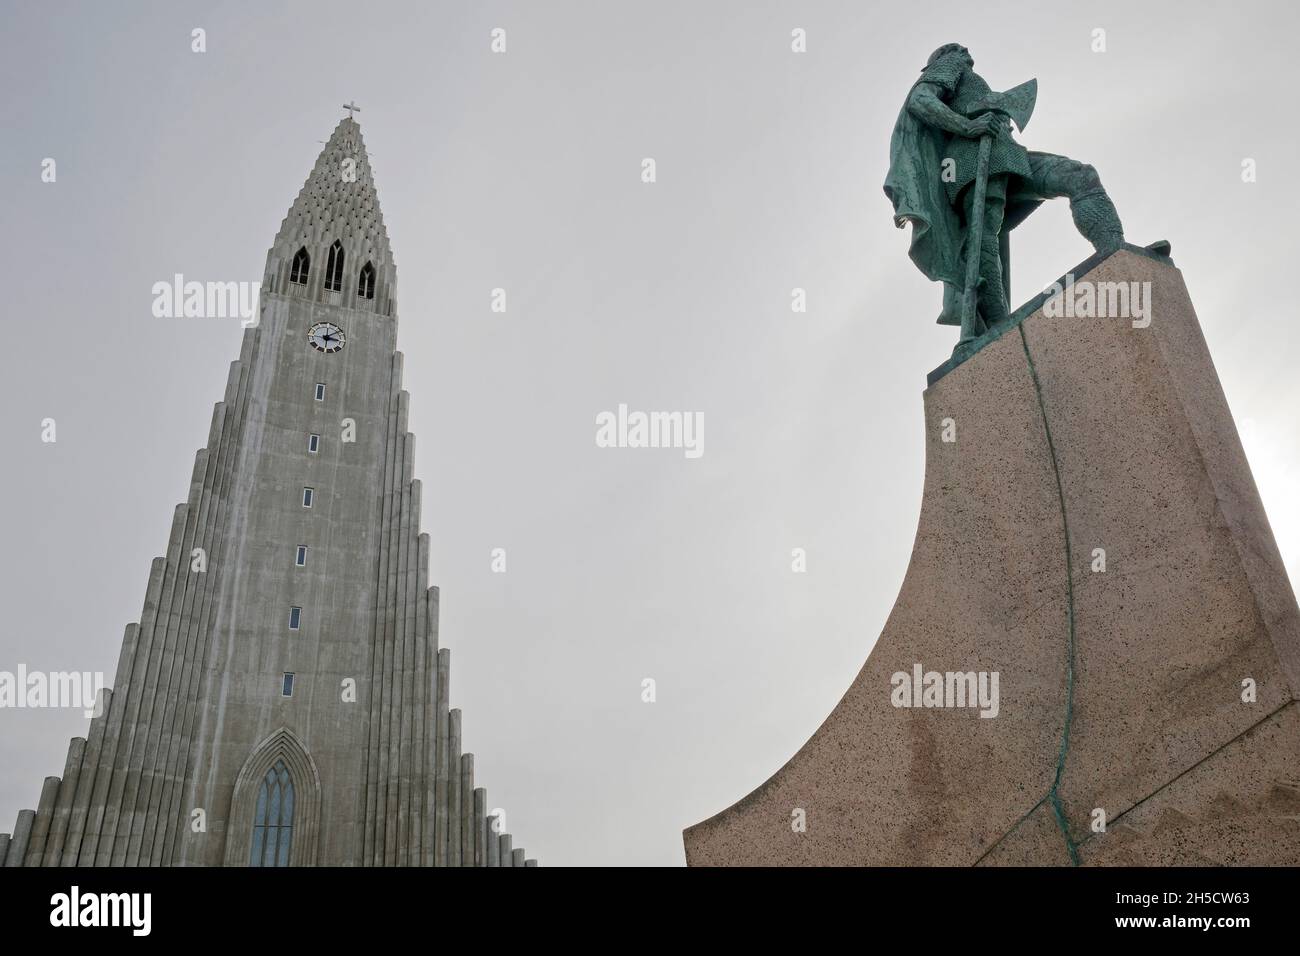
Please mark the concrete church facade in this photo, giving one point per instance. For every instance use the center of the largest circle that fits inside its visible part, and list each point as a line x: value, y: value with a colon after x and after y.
x: 283, y: 700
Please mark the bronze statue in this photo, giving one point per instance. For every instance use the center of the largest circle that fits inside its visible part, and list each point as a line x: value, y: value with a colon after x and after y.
x: 957, y: 175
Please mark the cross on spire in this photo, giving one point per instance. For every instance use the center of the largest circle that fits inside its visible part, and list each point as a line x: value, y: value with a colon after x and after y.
x: 350, y: 107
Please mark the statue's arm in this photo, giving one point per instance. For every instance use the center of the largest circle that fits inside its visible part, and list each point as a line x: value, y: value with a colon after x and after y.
x: 924, y: 103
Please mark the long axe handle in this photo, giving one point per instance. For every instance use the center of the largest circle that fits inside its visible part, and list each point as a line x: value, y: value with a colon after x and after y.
x: 970, y: 327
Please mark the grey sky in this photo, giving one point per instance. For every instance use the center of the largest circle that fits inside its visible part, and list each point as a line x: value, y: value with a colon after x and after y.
x: 522, y: 171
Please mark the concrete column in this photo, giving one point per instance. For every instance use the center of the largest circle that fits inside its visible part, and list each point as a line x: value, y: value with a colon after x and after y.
x: 442, y: 740
x: 41, y: 825
x: 140, y: 766
x: 107, y: 852
x: 167, y: 710
x: 175, y: 754
x: 395, y: 814
x: 4, y: 847
x: 386, y: 623
x: 492, y: 844
x: 63, y: 803
x: 372, y: 825
x: 98, y: 807
x: 480, y: 826
x: 21, y: 837
x: 211, y: 469
x: 517, y: 857
x: 391, y: 625
x: 434, y: 601
x: 530, y: 862
x: 504, y: 853
x: 408, y: 753
x: 220, y: 474
x: 420, y: 852
x: 467, y: 810
x: 86, y: 781
x: 430, y: 744
x: 453, y: 789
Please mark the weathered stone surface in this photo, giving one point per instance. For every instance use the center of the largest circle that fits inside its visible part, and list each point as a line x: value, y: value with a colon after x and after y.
x: 1238, y: 806
x: 1120, y: 690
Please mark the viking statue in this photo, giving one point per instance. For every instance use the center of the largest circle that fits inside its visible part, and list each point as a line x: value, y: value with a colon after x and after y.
x: 957, y: 175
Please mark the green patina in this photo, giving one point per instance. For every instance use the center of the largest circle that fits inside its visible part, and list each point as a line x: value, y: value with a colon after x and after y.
x: 958, y: 176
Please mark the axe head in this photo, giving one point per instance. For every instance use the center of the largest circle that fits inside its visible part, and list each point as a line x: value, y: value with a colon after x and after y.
x: 1018, y: 102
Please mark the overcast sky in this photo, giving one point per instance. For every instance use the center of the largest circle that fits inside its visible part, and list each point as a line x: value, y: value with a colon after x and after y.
x: 522, y: 171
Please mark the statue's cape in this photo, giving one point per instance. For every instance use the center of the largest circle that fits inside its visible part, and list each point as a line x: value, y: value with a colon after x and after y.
x: 914, y: 187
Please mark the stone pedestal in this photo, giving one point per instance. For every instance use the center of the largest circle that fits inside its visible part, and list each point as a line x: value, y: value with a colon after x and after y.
x: 1120, y: 691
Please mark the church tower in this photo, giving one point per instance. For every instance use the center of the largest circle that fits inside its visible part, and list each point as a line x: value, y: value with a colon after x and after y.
x: 283, y: 700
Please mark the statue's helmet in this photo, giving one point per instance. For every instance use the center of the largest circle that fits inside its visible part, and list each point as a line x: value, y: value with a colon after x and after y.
x: 950, y: 48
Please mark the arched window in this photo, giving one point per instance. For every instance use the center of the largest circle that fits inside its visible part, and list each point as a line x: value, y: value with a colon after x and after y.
x: 366, y: 282
x: 301, y: 263
x: 334, y: 268
x: 261, y: 833
x: 273, y: 821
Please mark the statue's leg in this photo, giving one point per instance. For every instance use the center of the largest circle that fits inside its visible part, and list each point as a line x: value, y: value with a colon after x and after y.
x: 992, y: 298
x: 1094, y: 214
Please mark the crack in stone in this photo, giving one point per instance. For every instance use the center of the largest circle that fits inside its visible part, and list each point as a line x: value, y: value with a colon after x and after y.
x: 1014, y: 827
x: 1058, y: 810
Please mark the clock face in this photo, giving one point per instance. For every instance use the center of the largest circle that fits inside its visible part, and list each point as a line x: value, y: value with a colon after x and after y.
x: 326, y: 337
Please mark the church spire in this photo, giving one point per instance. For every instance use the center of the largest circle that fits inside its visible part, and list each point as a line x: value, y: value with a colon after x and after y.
x: 293, y: 685
x: 334, y: 231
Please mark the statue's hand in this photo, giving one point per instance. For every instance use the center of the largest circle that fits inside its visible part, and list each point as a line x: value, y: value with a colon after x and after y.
x: 987, y: 124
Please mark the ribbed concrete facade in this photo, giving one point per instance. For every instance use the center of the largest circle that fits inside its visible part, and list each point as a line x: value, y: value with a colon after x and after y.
x: 297, y: 552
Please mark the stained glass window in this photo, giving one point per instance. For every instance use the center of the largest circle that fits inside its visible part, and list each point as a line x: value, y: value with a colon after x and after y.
x: 273, y: 822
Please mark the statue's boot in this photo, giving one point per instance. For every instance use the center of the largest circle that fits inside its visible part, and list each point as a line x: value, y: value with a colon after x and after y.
x: 990, y: 302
